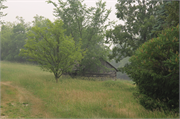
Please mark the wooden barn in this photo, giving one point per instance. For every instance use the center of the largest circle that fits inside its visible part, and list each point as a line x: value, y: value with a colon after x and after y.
x: 106, y: 71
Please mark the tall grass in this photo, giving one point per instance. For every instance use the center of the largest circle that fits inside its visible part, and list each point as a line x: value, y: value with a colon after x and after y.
x: 77, y: 98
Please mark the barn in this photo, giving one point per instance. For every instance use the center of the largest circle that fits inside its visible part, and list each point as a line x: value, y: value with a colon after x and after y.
x: 107, y: 70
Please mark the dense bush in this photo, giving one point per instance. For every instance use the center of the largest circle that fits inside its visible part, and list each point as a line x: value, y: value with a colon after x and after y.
x: 155, y: 70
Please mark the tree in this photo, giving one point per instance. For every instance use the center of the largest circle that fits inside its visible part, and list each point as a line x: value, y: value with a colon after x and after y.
x: 160, y: 21
x: 13, y: 37
x: 139, y: 17
x: 172, y: 10
x: 51, y: 49
x: 6, y: 33
x: 39, y: 21
x: 87, y: 24
x: 167, y: 16
x: 2, y: 7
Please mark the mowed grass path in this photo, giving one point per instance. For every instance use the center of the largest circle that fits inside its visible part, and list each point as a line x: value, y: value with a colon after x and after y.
x: 33, y: 93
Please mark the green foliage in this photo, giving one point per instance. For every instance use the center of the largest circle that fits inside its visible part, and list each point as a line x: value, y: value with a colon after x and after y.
x: 155, y: 70
x: 160, y: 21
x: 6, y: 32
x: 139, y: 18
x: 1, y: 8
x: 51, y: 49
x: 150, y: 103
x: 13, y: 37
x: 172, y: 10
x: 87, y: 24
x: 167, y: 16
x: 39, y: 21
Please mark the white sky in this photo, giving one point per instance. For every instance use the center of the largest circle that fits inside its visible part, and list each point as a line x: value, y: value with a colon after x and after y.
x: 29, y: 8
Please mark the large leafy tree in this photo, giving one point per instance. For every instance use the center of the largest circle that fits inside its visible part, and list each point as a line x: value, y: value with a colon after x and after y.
x: 52, y: 49
x: 87, y: 24
x: 139, y: 17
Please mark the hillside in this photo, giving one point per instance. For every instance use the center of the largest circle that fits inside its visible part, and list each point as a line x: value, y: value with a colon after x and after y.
x: 28, y: 92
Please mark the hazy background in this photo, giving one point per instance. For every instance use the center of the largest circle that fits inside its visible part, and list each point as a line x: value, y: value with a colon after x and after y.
x: 29, y: 8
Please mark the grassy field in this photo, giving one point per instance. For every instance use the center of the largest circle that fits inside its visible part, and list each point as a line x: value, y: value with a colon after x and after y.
x: 28, y: 92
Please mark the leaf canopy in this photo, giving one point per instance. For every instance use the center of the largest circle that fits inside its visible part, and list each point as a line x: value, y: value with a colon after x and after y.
x: 52, y: 49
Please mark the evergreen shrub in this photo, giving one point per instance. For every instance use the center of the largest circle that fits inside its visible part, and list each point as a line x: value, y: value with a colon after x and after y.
x: 155, y: 69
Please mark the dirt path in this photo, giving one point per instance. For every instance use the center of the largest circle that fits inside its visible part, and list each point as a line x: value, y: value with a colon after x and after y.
x: 37, y: 107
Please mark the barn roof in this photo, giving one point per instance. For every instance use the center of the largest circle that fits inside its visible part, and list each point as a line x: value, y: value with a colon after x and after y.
x: 111, y: 65
x: 105, y: 62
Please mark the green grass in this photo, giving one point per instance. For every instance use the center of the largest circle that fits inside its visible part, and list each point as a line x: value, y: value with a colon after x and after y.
x: 70, y: 98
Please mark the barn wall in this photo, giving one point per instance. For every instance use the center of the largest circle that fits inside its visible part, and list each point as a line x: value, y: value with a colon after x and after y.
x: 109, y: 71
x: 102, y: 72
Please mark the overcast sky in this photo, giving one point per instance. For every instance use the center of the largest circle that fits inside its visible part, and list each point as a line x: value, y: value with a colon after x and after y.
x: 29, y: 8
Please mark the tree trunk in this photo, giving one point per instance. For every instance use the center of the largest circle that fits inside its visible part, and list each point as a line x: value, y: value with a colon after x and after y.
x: 56, y: 80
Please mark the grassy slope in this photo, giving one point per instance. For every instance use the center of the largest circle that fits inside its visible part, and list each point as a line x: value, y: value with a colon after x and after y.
x: 35, y: 94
